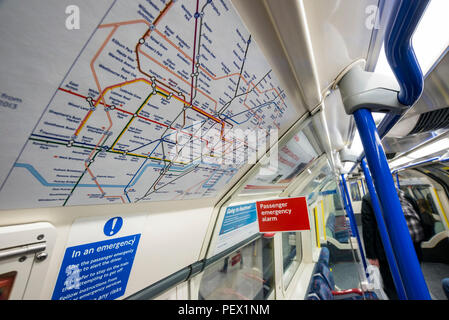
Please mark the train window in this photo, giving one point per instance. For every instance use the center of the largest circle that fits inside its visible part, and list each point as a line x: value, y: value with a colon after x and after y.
x: 291, y: 255
x: 355, y: 192
x: 6, y: 283
x: 425, y: 201
x: 246, y: 274
x: 427, y: 46
x: 335, y: 222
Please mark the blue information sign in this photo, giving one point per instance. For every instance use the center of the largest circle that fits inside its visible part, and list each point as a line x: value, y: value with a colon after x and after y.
x: 239, y: 223
x: 238, y: 216
x: 98, y: 270
x: 112, y: 226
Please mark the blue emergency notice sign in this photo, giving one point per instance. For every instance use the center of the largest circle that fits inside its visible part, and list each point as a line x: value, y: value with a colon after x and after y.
x: 98, y: 270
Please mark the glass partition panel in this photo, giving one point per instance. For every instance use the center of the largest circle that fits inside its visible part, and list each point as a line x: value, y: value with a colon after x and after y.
x: 294, y: 156
x: 291, y: 255
x: 246, y: 274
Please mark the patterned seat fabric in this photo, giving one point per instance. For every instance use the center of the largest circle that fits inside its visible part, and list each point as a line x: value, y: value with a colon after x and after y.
x: 336, y: 227
x: 324, y: 270
x: 324, y: 256
x: 320, y: 288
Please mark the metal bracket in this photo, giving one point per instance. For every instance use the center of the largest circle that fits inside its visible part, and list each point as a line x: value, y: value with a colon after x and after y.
x: 23, y: 250
x: 348, y: 156
x: 378, y: 93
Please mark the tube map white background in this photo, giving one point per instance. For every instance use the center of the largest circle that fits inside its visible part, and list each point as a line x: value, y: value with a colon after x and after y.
x: 102, y: 114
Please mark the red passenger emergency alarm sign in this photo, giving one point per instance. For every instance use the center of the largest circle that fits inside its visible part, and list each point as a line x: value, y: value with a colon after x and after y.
x: 289, y: 214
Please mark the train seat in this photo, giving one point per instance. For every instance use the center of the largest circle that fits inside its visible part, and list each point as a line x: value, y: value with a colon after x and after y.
x: 322, y: 284
x: 337, y: 237
x: 436, y: 248
x: 324, y: 256
x: 336, y: 228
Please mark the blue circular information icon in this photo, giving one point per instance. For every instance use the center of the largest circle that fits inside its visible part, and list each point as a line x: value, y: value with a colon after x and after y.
x: 112, y: 226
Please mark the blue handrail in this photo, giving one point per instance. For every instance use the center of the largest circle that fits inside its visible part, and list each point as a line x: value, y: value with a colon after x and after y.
x: 403, y: 62
x: 383, y: 233
x: 402, y: 58
x: 404, y: 251
x: 399, y: 50
x: 345, y: 206
x: 418, y: 164
x: 352, y: 221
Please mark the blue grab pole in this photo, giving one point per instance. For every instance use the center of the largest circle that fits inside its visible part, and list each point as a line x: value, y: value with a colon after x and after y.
x: 352, y: 221
x: 407, y: 261
x: 347, y: 209
x: 383, y: 233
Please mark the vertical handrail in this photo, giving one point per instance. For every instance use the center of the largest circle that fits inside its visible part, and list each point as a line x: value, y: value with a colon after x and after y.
x: 403, y: 62
x: 404, y: 251
x: 383, y: 233
x: 345, y: 205
x: 352, y: 221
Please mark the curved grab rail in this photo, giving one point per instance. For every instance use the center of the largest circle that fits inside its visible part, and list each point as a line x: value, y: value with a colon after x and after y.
x: 399, y: 49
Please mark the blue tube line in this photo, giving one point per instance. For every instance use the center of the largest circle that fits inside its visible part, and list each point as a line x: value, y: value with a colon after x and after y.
x: 399, y: 50
x: 409, y: 267
x: 350, y: 212
x: 383, y: 233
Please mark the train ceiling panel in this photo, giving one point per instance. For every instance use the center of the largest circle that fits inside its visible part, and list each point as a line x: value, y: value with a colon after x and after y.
x: 336, y: 40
